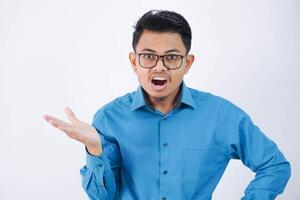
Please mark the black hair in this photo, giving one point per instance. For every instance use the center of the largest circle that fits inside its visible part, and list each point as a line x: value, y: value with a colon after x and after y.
x: 163, y: 21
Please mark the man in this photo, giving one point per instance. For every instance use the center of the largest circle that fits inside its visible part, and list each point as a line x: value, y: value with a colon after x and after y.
x: 165, y: 140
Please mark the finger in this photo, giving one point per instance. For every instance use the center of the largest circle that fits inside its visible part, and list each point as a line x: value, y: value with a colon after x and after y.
x: 47, y: 117
x: 69, y: 131
x: 54, y: 121
x: 71, y: 116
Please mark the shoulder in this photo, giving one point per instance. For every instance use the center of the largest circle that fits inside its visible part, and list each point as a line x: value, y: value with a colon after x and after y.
x: 209, y: 100
x: 119, y: 104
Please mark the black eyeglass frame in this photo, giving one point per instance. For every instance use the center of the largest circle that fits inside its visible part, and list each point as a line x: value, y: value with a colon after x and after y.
x: 162, y: 57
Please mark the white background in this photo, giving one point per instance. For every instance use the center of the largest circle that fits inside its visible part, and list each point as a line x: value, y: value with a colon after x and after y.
x: 75, y: 53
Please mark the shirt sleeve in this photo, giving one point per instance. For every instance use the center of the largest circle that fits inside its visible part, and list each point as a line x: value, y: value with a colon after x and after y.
x: 249, y: 144
x: 101, y: 174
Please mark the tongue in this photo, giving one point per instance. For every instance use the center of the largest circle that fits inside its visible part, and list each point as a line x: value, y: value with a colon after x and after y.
x: 159, y: 82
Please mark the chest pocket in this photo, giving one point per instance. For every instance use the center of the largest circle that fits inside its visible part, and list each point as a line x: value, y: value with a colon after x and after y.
x: 201, y: 172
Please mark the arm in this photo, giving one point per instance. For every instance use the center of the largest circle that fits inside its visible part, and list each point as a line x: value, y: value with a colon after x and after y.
x: 101, y: 174
x: 261, y: 155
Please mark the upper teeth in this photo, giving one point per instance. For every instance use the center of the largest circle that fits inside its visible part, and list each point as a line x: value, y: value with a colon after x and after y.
x: 159, y: 78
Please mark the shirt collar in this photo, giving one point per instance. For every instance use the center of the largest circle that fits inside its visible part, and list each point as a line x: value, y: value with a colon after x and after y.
x: 184, y: 97
x: 138, y: 99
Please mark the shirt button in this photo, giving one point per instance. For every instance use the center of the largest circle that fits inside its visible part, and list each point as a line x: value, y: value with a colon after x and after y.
x: 164, y: 198
x: 165, y: 172
x: 165, y: 144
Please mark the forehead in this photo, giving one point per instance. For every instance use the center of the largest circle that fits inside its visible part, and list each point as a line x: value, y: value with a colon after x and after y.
x: 160, y: 41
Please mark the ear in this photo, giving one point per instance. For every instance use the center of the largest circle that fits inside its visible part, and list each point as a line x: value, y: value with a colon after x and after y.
x: 132, y: 59
x: 188, y: 64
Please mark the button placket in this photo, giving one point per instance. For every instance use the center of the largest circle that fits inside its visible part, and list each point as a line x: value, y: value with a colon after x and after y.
x: 164, y: 157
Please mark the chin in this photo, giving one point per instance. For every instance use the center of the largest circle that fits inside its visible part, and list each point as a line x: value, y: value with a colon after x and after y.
x: 160, y: 96
x: 155, y: 94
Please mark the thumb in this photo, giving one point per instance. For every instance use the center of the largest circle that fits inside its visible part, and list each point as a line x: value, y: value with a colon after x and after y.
x: 71, y: 116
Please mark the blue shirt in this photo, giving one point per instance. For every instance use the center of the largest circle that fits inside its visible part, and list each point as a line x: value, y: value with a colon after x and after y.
x: 149, y: 155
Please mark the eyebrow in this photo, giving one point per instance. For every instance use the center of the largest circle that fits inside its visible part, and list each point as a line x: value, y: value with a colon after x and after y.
x: 149, y: 50
x: 172, y: 50
x: 169, y: 51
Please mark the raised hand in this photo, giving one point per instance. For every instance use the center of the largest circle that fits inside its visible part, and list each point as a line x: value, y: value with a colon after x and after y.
x: 78, y: 130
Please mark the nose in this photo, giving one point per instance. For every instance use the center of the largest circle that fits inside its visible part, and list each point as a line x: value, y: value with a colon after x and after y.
x: 160, y: 65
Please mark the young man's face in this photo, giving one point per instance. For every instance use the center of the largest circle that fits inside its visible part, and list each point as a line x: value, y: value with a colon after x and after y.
x: 160, y: 82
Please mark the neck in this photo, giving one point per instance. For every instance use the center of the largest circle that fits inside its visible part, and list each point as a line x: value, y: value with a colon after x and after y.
x: 164, y: 104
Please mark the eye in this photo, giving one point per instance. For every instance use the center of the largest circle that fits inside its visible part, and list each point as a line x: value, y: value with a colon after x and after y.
x: 172, y: 57
x: 148, y: 56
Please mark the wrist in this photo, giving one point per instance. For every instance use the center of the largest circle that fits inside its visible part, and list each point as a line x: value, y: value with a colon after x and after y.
x: 94, y: 150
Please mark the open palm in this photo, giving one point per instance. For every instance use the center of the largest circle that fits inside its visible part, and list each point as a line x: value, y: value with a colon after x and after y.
x: 77, y: 130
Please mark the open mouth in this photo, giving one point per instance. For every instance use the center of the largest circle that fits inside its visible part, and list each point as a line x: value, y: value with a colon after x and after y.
x: 159, y: 83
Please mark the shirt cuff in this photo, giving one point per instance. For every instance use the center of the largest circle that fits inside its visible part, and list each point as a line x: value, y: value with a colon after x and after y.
x: 94, y: 162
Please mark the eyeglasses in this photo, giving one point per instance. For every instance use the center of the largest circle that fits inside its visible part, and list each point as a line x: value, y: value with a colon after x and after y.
x: 170, y: 61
